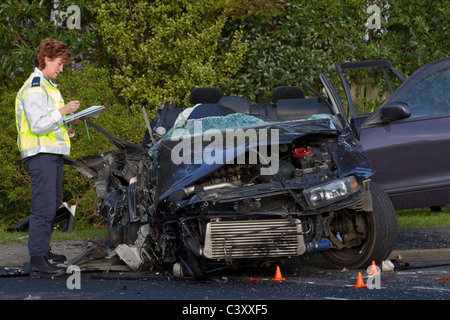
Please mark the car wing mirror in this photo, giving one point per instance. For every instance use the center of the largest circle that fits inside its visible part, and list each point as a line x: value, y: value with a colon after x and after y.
x: 394, y: 111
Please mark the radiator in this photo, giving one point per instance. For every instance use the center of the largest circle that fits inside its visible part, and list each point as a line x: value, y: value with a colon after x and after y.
x: 238, y: 239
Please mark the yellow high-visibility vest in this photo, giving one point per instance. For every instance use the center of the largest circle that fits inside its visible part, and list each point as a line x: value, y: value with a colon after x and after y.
x: 39, y: 124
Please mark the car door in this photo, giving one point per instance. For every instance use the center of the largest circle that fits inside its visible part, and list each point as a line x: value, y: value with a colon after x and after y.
x: 411, y: 155
x: 362, y: 92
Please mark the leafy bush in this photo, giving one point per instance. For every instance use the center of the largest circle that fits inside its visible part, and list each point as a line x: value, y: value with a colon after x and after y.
x: 298, y: 45
x: 309, y: 37
x: 163, y: 49
x: 25, y: 25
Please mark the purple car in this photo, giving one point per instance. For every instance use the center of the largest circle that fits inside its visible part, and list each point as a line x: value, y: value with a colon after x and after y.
x: 403, y: 126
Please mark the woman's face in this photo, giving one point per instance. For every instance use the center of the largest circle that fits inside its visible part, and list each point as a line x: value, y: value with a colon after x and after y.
x: 52, y: 67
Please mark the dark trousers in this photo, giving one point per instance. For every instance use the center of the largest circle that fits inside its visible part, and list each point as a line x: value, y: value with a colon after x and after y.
x: 46, y: 173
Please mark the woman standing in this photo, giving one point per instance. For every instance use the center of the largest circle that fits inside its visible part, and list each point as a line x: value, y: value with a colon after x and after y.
x: 43, y: 141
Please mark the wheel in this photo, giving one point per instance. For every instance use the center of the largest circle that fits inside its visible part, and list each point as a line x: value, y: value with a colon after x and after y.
x: 377, y: 229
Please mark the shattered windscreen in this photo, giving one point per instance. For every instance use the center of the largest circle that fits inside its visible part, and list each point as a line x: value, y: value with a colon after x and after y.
x: 194, y: 148
x: 189, y: 127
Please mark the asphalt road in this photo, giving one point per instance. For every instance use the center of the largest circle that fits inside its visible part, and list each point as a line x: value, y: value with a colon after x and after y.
x: 423, y: 279
x: 423, y: 275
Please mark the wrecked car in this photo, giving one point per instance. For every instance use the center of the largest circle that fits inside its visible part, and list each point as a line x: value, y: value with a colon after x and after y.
x: 226, y: 184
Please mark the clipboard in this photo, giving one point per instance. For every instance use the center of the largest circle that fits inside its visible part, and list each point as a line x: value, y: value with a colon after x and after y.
x: 93, y: 112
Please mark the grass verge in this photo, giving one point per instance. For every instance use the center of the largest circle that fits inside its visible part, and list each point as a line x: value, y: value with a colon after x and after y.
x: 423, y: 218
x: 8, y: 237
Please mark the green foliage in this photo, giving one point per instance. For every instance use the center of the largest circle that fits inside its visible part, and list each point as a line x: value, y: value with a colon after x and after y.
x: 57, y: 235
x: 423, y: 218
x: 297, y: 45
x: 416, y: 32
x: 241, y: 9
x: 13, y: 176
x: 21, y: 32
x: 311, y: 36
x: 163, y: 49
x: 25, y: 25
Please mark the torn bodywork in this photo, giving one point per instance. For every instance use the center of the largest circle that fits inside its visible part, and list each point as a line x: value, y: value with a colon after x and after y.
x: 279, y: 189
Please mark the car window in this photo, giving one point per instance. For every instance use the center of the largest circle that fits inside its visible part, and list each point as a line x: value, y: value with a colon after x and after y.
x: 369, y: 88
x: 430, y: 97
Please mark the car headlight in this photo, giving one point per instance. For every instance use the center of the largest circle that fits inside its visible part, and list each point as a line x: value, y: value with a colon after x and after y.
x: 330, y: 192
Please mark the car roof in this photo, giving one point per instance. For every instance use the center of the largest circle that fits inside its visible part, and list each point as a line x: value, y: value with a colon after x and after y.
x: 419, y: 75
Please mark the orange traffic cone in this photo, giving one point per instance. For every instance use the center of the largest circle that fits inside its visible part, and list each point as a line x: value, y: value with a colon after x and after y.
x: 278, y: 276
x: 360, y: 282
x: 373, y: 268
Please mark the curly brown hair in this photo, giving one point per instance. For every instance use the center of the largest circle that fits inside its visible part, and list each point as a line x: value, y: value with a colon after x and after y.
x: 51, y: 48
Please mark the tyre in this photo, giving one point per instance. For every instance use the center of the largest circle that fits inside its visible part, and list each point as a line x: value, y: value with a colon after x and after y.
x: 381, y: 235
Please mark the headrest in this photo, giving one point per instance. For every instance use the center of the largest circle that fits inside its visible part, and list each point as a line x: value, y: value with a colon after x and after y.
x: 205, y: 95
x: 208, y: 110
x: 287, y: 92
x: 237, y: 104
x: 294, y: 109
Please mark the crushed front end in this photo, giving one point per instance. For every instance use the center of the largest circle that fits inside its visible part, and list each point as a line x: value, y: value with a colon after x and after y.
x: 199, y: 202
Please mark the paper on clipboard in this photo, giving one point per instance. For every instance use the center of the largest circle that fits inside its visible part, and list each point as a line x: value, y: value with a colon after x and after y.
x: 93, y: 112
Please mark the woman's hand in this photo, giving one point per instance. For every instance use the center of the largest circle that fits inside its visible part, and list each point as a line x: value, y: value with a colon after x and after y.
x: 69, y: 108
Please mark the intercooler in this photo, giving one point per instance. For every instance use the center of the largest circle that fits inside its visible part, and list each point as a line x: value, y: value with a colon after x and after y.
x: 253, y: 239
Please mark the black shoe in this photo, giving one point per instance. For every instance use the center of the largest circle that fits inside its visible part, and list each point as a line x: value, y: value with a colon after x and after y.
x: 40, y: 267
x: 56, y: 258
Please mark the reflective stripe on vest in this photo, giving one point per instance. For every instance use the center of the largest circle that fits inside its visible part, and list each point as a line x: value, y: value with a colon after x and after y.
x: 29, y: 143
